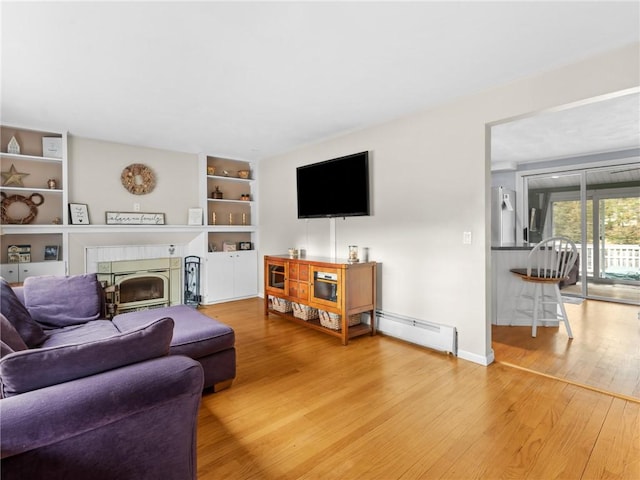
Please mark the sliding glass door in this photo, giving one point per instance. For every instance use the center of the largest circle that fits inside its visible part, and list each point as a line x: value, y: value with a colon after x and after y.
x: 599, y: 210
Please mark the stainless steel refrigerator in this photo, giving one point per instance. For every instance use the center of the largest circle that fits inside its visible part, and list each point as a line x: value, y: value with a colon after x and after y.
x: 503, y: 216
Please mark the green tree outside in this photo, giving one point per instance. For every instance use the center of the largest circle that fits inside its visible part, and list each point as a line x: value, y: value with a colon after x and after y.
x: 620, y: 220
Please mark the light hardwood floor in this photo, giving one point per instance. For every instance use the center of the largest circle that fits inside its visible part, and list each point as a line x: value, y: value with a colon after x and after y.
x: 604, y: 353
x: 305, y: 407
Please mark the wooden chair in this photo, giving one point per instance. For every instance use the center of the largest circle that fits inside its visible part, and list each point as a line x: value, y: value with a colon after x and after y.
x: 548, y: 264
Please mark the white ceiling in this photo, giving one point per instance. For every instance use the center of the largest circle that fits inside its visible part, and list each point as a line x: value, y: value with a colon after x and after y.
x: 605, y: 125
x: 250, y: 80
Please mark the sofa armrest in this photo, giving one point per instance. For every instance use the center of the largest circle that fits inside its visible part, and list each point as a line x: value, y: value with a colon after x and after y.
x: 137, y: 421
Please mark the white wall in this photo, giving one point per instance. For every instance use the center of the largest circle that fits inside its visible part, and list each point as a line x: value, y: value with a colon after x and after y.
x: 94, y: 178
x: 430, y: 183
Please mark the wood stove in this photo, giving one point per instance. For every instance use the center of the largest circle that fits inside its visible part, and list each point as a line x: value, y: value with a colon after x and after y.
x: 142, y: 284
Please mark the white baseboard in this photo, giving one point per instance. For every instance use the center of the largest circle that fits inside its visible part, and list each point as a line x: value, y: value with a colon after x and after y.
x: 475, y: 358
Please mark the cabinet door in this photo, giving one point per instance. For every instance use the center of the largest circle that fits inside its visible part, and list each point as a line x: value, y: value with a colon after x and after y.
x: 325, y: 287
x: 9, y: 271
x: 40, y: 268
x: 220, y: 276
x: 245, y: 274
x: 275, y: 272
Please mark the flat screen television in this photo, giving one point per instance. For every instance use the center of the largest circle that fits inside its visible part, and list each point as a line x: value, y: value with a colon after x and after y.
x: 334, y: 188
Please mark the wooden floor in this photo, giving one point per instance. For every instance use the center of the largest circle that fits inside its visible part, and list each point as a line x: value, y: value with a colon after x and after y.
x: 305, y: 407
x: 604, y: 353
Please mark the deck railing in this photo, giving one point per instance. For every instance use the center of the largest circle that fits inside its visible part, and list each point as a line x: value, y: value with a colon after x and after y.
x: 614, y: 258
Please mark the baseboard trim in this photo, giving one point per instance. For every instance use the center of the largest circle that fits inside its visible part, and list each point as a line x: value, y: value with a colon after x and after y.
x: 475, y: 358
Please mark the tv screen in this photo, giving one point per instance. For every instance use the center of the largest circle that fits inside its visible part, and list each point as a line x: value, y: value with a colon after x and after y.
x: 334, y: 188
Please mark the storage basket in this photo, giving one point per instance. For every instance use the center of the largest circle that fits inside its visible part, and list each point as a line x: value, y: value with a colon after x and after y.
x: 334, y: 322
x: 304, y: 312
x: 280, y: 304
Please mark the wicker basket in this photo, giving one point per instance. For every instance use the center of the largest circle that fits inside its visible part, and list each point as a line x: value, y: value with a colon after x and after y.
x: 334, y: 322
x: 279, y: 304
x: 304, y: 312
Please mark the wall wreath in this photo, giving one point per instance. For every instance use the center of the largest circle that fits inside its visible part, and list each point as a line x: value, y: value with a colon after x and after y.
x: 138, y: 179
x: 32, y: 203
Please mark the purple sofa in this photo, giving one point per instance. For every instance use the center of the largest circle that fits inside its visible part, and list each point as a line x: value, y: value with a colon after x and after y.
x: 87, y: 397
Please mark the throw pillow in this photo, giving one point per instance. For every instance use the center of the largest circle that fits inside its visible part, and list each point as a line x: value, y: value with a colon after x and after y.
x: 59, y: 301
x: 10, y: 336
x: 32, y: 369
x: 15, y: 311
x: 5, y: 349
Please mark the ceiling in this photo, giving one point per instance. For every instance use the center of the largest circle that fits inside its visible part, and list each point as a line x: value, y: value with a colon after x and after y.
x: 250, y: 80
x: 604, y: 125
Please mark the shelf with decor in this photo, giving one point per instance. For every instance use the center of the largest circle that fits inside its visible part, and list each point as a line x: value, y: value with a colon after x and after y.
x: 34, y: 198
x: 229, y: 201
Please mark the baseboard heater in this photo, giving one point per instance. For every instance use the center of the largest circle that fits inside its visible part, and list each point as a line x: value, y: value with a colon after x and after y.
x: 420, y: 332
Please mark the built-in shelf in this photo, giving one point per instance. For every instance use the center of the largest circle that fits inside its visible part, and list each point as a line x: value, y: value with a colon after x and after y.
x: 31, y: 158
x: 28, y: 189
x: 233, y: 179
x: 223, y: 200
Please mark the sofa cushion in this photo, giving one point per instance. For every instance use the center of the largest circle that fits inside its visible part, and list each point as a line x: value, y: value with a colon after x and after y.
x: 10, y: 336
x: 58, y: 301
x: 13, y: 309
x: 37, y: 368
x: 87, y: 332
x: 195, y: 335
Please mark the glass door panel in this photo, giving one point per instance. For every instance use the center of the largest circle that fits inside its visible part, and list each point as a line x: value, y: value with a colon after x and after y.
x: 554, y: 206
x: 616, y: 233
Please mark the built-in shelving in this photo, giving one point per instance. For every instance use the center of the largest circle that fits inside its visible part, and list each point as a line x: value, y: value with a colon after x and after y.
x: 33, y: 196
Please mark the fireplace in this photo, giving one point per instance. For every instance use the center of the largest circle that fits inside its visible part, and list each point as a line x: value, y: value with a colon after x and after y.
x: 142, y: 284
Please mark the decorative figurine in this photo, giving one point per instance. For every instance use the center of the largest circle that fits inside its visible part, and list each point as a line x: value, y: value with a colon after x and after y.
x: 52, y: 184
x: 353, y: 254
x: 13, y: 177
x: 13, y: 146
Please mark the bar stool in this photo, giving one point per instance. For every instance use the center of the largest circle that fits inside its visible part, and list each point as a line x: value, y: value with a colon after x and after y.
x: 549, y: 263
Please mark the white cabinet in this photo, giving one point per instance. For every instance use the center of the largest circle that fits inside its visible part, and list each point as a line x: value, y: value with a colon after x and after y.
x: 231, y: 276
x: 17, y: 272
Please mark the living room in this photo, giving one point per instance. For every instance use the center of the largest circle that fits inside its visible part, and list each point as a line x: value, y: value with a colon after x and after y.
x: 430, y: 178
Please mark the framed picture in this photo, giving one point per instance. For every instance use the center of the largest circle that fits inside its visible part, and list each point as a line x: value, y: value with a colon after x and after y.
x: 52, y: 147
x: 195, y: 216
x: 19, y: 253
x: 134, y: 218
x: 78, y: 214
x: 51, y: 252
x: 244, y: 245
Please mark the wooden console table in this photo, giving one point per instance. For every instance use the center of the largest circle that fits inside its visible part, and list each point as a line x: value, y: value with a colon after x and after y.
x: 334, y: 286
